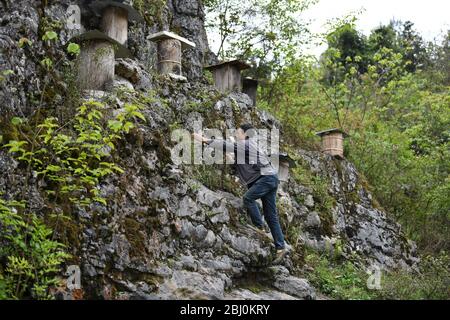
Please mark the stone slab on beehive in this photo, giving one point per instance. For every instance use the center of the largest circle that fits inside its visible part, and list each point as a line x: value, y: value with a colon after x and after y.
x: 120, y: 50
x: 167, y: 35
x: 100, y: 5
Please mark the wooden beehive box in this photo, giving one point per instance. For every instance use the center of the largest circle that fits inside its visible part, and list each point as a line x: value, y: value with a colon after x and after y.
x: 96, y: 62
x: 250, y: 87
x: 115, y: 16
x: 227, y: 75
x: 333, y: 142
x: 285, y: 163
x: 169, y: 51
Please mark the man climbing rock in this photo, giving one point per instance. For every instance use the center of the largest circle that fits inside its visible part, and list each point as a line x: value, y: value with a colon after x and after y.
x: 257, y: 173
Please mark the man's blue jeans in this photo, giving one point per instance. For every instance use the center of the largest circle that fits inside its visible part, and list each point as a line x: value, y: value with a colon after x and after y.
x: 265, y: 188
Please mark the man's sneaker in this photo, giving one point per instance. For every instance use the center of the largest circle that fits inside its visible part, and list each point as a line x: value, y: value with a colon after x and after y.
x: 280, y: 254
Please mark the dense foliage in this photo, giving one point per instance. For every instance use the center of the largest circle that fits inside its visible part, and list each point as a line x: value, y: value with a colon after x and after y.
x: 29, y: 257
x: 264, y: 32
x: 397, y: 113
x: 398, y: 121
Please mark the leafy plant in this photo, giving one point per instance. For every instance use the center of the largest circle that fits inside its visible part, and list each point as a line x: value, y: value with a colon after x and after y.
x: 340, y: 281
x: 50, y: 35
x: 73, y: 162
x: 73, y: 48
x: 24, y: 42
x: 29, y: 258
x: 431, y: 282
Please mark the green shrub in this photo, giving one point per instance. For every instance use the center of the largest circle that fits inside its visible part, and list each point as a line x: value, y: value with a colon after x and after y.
x: 339, y: 281
x: 343, y: 280
x: 74, y: 161
x: 398, y: 124
x: 71, y: 158
x: 431, y: 282
x: 29, y: 258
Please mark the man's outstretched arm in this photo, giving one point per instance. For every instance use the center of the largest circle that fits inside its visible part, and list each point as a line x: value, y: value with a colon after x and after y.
x: 218, y: 144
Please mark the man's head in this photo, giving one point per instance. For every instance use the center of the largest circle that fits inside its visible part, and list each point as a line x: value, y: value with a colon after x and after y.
x: 244, y: 131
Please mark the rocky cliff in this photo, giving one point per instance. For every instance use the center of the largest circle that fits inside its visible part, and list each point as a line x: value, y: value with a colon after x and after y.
x: 179, y: 231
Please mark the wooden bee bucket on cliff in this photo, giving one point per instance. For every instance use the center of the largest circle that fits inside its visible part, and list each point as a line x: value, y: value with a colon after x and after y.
x: 333, y: 142
x: 96, y: 62
x: 227, y: 75
x: 169, y: 51
x: 250, y: 87
x: 285, y: 163
x: 115, y: 17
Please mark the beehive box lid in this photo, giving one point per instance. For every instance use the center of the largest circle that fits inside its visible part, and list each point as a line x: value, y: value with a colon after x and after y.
x: 241, y: 65
x: 120, y: 49
x: 329, y: 131
x: 250, y: 81
x: 162, y: 35
x: 99, y: 5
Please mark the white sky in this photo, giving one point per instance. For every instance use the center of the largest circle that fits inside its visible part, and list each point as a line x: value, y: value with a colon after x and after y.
x: 430, y: 17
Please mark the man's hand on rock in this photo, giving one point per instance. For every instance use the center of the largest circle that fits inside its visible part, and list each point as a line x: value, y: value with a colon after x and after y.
x: 199, y: 137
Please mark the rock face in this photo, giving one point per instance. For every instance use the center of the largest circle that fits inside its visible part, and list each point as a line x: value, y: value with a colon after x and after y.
x: 365, y: 228
x: 18, y: 21
x: 174, y: 231
x: 188, y: 17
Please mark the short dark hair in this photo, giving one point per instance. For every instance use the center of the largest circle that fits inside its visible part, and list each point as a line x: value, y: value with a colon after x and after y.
x: 248, y: 130
x: 246, y: 126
